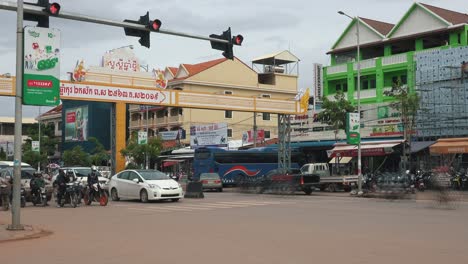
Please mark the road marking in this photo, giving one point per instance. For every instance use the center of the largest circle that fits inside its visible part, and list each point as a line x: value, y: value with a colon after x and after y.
x: 214, y: 205
x: 147, y: 210
x: 188, y: 207
x: 250, y: 203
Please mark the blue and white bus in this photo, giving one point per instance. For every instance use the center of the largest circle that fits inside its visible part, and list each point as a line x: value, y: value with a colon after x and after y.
x: 230, y: 164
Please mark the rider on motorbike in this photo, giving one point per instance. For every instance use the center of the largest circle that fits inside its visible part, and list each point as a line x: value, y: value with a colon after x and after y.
x: 36, y: 183
x: 61, y: 183
x: 93, y: 177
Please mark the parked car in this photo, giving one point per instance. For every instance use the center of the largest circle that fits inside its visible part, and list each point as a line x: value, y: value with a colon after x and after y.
x: 26, y: 176
x: 211, y: 181
x: 145, y: 185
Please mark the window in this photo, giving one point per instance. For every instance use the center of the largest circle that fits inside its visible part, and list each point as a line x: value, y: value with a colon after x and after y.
x: 228, y: 114
x: 174, y: 112
x: 59, y: 126
x: 133, y: 175
x: 229, y: 133
x: 267, y: 134
x: 404, y: 79
x: 124, y: 175
x: 266, y: 116
x: 228, y: 92
x: 180, y: 111
x: 365, y: 85
x: 266, y: 96
x: 345, y: 87
x: 338, y: 87
x: 372, y: 84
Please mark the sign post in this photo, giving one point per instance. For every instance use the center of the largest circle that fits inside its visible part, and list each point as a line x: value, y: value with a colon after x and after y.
x: 41, y: 85
x: 353, y: 124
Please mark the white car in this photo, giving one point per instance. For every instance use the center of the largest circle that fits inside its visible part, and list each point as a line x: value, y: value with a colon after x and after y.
x: 145, y: 185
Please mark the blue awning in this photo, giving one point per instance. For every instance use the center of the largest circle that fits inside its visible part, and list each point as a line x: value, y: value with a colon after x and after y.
x: 417, y: 146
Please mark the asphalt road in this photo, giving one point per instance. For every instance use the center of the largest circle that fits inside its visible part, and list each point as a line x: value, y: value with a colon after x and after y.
x: 246, y: 228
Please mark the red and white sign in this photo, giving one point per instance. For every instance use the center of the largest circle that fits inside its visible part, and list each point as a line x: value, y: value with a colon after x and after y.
x: 71, y: 117
x: 74, y: 91
x: 248, y: 137
x: 39, y: 84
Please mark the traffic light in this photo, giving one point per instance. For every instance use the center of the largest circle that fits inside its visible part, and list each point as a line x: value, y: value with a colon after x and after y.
x: 225, y: 47
x: 237, y: 40
x: 43, y: 20
x: 144, y: 35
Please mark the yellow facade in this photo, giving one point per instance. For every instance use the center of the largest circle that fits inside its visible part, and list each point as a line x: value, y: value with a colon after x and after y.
x: 228, y: 77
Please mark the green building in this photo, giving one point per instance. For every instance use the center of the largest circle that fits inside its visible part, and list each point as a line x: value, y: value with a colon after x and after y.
x: 388, y: 51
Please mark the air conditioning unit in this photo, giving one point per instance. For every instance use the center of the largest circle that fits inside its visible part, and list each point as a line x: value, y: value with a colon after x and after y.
x: 276, y: 69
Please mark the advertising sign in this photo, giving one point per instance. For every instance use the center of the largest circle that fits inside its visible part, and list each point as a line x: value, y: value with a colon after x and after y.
x: 121, y: 59
x: 248, y: 136
x: 35, y: 146
x: 209, y: 135
x: 352, y: 128
x: 172, y: 135
x: 41, y: 66
x: 142, y: 137
x: 76, y: 124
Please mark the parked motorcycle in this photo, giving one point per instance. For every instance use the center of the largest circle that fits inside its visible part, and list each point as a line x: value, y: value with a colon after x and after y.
x: 71, y: 195
x: 5, y: 192
x: 95, y: 193
x: 39, y: 197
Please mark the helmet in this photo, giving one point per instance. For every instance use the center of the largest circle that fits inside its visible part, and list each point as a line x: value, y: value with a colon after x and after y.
x: 93, y: 168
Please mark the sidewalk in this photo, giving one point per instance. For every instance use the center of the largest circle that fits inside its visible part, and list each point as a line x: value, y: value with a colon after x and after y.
x: 29, y: 232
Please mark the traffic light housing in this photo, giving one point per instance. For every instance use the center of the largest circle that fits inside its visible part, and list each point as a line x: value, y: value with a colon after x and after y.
x: 153, y: 25
x: 225, y: 47
x: 237, y: 40
x: 52, y: 9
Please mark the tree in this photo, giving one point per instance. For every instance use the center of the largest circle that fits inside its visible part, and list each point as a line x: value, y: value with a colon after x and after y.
x: 407, y: 103
x: 76, y: 157
x: 334, y: 112
x: 137, y: 152
x: 47, y: 147
x: 99, y: 155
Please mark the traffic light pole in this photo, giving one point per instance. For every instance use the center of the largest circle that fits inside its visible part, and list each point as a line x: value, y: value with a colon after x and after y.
x: 15, y: 208
x: 36, y: 10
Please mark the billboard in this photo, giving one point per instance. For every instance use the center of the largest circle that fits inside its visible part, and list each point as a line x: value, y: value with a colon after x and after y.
x: 76, y: 124
x: 209, y: 135
x: 248, y: 136
x: 142, y: 137
x: 172, y: 135
x: 353, y: 122
x: 41, y: 84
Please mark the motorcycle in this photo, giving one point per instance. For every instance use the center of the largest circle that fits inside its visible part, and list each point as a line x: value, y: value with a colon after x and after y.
x: 39, y: 197
x: 71, y: 195
x: 5, y: 192
x: 95, y: 193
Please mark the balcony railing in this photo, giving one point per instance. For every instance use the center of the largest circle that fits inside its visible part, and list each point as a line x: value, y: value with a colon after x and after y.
x: 365, y: 64
x: 337, y: 69
x: 395, y: 59
x: 371, y: 93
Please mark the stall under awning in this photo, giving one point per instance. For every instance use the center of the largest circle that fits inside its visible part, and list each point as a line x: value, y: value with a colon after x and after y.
x: 373, y: 148
x: 168, y: 163
x: 450, y: 146
x: 342, y: 160
x: 420, y: 145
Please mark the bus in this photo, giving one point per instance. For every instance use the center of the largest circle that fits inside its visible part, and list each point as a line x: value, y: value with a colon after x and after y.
x: 230, y: 164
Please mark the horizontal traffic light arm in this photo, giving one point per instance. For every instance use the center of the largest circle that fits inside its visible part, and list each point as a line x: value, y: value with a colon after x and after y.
x: 32, y: 9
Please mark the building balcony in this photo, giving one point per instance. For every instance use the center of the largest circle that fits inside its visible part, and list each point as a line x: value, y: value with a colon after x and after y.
x: 365, y: 64
x: 337, y: 69
x: 370, y: 93
x: 394, y: 59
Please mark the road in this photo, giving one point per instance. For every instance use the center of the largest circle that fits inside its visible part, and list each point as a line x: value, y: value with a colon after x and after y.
x: 246, y: 228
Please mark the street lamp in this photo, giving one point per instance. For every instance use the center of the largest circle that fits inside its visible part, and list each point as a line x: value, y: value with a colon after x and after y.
x: 358, y: 97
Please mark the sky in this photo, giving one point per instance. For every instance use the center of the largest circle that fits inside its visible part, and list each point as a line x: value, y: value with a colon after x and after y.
x: 308, y: 28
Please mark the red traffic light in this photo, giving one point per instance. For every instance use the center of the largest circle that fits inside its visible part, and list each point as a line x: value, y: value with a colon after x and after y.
x: 155, y: 25
x: 53, y: 9
x: 237, y: 40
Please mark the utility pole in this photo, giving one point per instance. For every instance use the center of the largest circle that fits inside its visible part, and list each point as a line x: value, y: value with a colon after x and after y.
x: 15, y: 208
x: 255, y: 129
x: 39, y: 122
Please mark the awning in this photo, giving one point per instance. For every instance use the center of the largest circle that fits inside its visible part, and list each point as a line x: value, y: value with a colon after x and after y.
x: 450, y: 146
x: 168, y: 163
x: 343, y: 160
x: 417, y: 146
x: 373, y: 148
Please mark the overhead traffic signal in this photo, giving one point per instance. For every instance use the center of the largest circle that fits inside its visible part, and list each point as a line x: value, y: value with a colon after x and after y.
x: 153, y: 25
x: 225, y: 47
x: 43, y: 20
x: 237, y: 40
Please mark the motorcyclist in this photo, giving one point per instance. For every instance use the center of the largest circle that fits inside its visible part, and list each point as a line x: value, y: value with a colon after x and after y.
x: 61, y: 183
x: 37, y: 182
x: 93, y: 177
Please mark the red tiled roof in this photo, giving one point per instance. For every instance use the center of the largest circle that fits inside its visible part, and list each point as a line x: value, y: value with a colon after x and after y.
x: 53, y: 111
x: 382, y: 27
x: 197, y: 68
x: 173, y: 70
x: 451, y: 16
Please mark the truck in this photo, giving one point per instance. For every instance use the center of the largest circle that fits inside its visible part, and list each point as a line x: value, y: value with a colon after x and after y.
x: 328, y: 181
x: 280, y: 181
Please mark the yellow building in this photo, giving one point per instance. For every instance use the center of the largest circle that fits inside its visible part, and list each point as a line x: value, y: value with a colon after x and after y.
x: 275, y: 76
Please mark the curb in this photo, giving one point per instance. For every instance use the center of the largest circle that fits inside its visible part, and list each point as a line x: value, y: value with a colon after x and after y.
x: 35, y: 233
